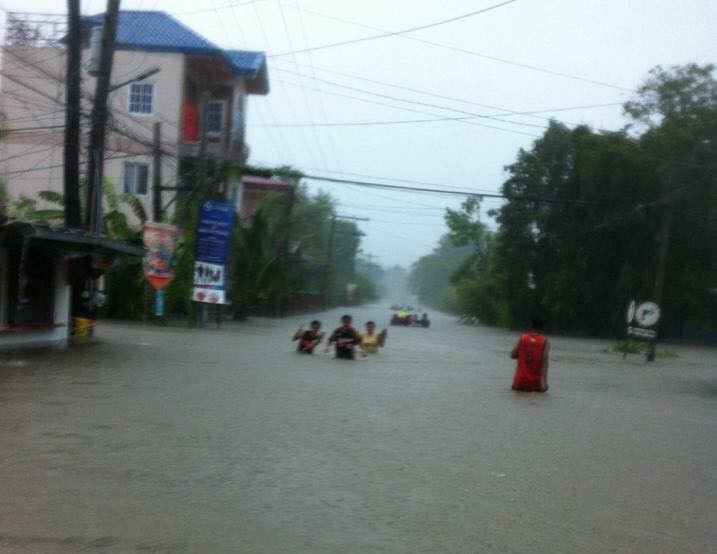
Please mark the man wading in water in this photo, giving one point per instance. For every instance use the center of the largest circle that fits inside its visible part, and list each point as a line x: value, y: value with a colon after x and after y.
x: 531, y: 351
x: 346, y: 339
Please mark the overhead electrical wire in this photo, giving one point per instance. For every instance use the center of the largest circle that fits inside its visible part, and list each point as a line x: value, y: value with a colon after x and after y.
x: 371, y: 184
x: 307, y: 104
x: 469, y: 52
x: 416, y: 102
x: 276, y: 138
x: 509, y: 112
x: 385, y: 34
x: 289, y: 103
x: 461, y: 119
x: 322, y: 105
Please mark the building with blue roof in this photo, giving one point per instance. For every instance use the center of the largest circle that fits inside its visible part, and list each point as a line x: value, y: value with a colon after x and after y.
x: 200, y: 90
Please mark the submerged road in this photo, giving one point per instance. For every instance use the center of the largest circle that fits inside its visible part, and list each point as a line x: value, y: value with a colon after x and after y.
x: 179, y: 441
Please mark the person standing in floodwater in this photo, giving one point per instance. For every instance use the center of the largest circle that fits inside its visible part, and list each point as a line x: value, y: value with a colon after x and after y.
x: 370, y: 341
x: 531, y: 351
x: 346, y: 339
x: 308, y: 340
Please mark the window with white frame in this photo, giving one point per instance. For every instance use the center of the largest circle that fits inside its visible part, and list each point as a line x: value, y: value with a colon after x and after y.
x: 215, y: 116
x: 141, y: 98
x: 135, y: 178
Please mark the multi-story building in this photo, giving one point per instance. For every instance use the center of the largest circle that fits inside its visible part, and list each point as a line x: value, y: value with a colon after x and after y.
x: 190, y: 68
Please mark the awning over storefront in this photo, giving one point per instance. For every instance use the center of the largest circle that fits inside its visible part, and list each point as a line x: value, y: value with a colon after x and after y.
x: 77, y: 241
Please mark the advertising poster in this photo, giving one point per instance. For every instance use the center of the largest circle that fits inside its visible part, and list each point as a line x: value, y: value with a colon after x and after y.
x: 160, y: 241
x: 214, y: 233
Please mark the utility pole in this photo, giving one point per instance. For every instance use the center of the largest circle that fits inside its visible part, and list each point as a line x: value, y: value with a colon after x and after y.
x: 201, y: 181
x: 95, y: 163
x: 73, y: 217
x: 203, y: 121
x: 157, y: 173
x: 663, y: 248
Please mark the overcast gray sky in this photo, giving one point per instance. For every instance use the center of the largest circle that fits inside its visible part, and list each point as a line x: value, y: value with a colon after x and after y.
x: 611, y: 42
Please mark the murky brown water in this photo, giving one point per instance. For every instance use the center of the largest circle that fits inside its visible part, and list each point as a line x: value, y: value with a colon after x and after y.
x: 179, y: 441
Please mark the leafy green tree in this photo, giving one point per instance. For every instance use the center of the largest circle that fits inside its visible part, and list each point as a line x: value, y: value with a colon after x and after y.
x: 577, y: 236
x: 430, y: 277
x: 676, y: 111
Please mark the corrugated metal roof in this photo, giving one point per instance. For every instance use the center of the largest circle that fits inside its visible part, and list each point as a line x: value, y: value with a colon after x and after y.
x: 160, y: 32
x: 245, y: 62
x: 74, y: 239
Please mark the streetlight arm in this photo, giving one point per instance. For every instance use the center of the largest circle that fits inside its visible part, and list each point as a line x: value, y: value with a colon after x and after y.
x: 140, y: 77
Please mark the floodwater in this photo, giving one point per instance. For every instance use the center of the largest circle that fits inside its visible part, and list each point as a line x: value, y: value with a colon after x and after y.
x: 178, y: 441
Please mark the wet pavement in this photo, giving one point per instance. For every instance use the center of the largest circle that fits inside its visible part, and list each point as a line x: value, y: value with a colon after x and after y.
x: 179, y: 441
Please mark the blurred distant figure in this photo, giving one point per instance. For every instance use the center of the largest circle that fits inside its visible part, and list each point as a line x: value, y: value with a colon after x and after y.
x: 370, y: 341
x: 531, y: 351
x: 346, y: 339
x: 308, y: 340
x: 425, y: 322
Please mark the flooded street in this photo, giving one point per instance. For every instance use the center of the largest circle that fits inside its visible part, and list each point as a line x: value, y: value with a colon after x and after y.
x: 180, y: 441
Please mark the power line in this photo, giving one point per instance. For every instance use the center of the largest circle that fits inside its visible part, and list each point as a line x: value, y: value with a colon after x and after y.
x: 396, y: 33
x: 530, y: 113
x: 415, y: 102
x: 472, y: 52
x: 540, y: 199
x: 289, y: 103
x: 462, y: 119
x: 217, y: 8
x: 277, y: 138
x: 322, y: 106
x: 400, y: 180
x: 319, y: 146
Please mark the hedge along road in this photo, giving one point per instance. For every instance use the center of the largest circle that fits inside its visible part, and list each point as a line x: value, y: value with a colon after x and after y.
x: 185, y: 441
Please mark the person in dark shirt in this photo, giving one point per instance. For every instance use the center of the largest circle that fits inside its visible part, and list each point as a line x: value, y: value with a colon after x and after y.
x: 308, y: 340
x: 346, y: 339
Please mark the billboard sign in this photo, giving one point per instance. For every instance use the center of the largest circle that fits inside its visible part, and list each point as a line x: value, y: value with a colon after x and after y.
x: 214, y: 233
x: 160, y: 241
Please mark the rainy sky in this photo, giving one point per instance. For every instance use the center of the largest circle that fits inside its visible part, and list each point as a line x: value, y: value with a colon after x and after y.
x: 409, y: 109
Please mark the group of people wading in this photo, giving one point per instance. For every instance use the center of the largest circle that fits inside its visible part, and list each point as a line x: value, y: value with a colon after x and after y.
x: 345, y: 338
x: 531, y: 351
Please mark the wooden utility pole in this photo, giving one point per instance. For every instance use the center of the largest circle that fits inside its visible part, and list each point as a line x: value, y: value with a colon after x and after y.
x: 96, y: 149
x: 73, y: 217
x: 663, y: 248
x: 157, y: 173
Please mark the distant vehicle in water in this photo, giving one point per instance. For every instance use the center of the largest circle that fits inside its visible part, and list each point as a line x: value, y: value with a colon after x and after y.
x: 410, y: 320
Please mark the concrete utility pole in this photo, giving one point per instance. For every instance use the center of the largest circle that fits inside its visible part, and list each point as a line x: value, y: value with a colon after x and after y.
x: 201, y: 180
x: 157, y: 173
x: 73, y: 217
x: 96, y: 149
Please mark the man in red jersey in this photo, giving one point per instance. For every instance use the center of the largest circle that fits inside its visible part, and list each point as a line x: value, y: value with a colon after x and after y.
x: 531, y: 351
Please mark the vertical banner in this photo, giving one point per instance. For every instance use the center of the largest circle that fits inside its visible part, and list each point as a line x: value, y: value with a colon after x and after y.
x: 160, y: 241
x: 214, y: 233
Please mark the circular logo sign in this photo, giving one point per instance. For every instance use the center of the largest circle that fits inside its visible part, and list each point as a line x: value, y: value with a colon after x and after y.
x: 647, y: 314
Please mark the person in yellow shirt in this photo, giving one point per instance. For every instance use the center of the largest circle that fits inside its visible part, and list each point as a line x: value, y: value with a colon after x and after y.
x: 370, y: 341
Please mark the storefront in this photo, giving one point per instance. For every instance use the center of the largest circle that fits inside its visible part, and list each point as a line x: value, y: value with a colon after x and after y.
x: 40, y: 266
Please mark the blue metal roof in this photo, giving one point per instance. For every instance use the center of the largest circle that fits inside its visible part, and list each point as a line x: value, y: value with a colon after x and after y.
x: 160, y: 32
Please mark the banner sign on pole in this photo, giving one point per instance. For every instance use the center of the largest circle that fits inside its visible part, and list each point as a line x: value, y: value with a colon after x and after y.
x: 160, y: 241
x: 214, y: 233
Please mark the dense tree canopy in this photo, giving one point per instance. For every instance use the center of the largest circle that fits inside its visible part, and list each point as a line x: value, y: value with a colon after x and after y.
x: 588, y: 214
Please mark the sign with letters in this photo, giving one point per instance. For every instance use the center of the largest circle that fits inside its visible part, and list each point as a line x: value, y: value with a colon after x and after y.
x: 214, y: 233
